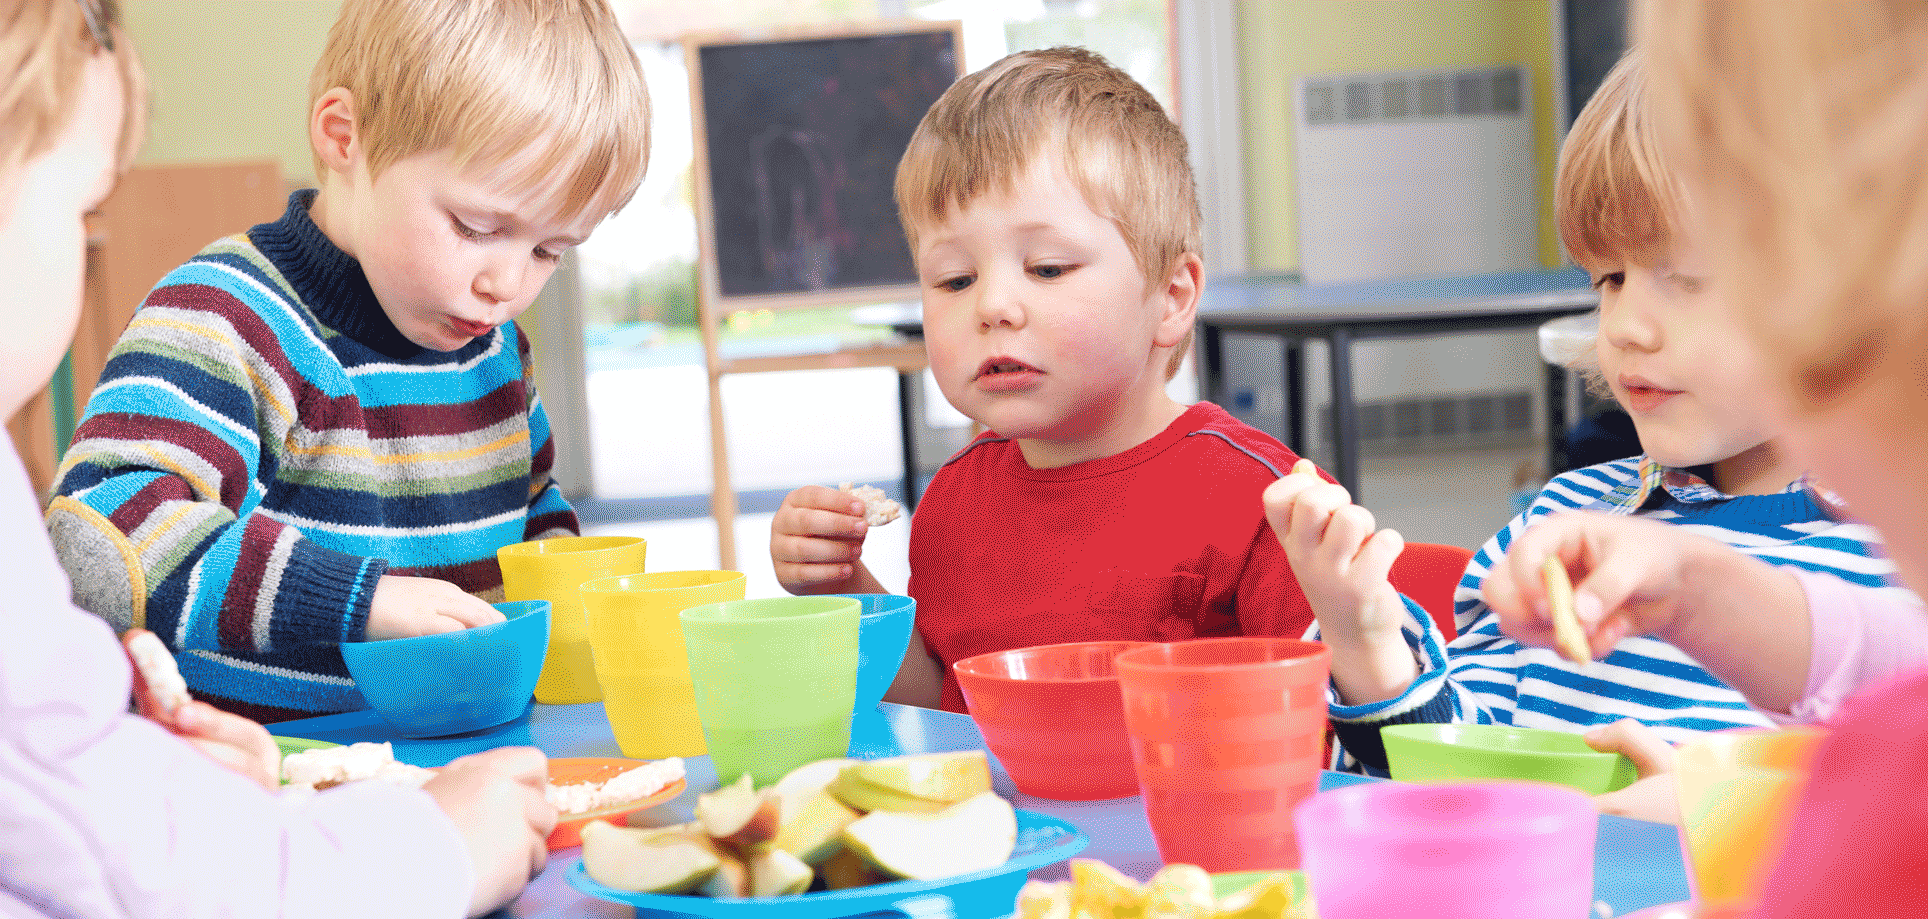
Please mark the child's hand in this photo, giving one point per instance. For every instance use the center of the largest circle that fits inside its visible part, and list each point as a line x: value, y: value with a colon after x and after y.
x: 404, y: 607
x: 497, y: 802
x: 1654, y: 796
x: 817, y: 541
x: 241, y: 745
x: 1340, y: 562
x: 1628, y: 573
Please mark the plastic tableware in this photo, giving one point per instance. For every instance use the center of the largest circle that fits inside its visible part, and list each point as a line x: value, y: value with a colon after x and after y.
x: 883, y: 634
x: 573, y: 770
x: 454, y: 682
x: 1227, y: 736
x: 640, y: 658
x: 985, y: 894
x: 552, y: 570
x: 1737, y: 791
x: 775, y: 681
x: 1054, y: 716
x: 1463, y: 752
x: 1481, y: 850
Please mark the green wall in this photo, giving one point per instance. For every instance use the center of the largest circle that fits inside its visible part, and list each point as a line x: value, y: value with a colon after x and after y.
x: 229, y: 78
x: 1281, y: 40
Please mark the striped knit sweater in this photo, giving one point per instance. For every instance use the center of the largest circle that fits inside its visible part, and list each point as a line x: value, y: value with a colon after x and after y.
x: 1487, y: 678
x: 264, y: 445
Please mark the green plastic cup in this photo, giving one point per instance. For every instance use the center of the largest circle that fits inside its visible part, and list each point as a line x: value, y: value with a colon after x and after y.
x: 1461, y: 752
x: 776, y: 680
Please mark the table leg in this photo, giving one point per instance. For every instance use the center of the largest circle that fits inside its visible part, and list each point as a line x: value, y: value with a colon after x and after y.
x: 906, y: 417
x: 1292, y: 361
x: 1211, y: 363
x: 1345, y: 414
x: 1556, y: 419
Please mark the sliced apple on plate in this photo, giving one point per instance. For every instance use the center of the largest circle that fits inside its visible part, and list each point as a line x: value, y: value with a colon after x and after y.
x: 814, y: 832
x: 647, y: 861
x: 799, y: 785
x: 972, y: 835
x: 922, y: 783
x: 737, y: 814
x: 731, y: 880
x: 776, y: 873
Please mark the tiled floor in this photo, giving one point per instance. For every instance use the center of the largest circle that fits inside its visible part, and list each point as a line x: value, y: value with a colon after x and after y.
x: 1460, y: 497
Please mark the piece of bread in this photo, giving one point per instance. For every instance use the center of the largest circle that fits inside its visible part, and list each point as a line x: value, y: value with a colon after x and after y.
x: 878, y: 508
x: 326, y: 767
x: 1568, y: 637
x: 157, y: 669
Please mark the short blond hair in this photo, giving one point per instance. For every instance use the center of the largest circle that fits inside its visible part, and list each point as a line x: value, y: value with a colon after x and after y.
x: 1803, y: 124
x: 1117, y: 145
x: 44, y: 44
x: 493, y: 81
x: 1615, y: 200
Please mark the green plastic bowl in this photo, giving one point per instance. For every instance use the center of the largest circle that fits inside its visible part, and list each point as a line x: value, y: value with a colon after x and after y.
x: 1458, y: 752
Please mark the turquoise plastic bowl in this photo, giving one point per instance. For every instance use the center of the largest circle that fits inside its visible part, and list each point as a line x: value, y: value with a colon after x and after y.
x: 883, y: 633
x: 454, y: 682
x: 1461, y: 752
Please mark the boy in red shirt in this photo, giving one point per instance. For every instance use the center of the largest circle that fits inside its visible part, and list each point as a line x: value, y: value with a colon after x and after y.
x: 1054, y: 220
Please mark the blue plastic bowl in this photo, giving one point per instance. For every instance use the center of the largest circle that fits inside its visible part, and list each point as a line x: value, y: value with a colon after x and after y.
x: 454, y: 682
x: 883, y: 634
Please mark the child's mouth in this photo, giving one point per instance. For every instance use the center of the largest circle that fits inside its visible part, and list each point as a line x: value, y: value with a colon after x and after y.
x: 999, y: 366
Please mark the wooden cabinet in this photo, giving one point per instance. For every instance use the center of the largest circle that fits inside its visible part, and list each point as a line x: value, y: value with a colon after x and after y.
x: 157, y: 218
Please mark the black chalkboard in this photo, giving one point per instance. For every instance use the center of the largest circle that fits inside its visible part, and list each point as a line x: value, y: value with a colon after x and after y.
x: 1593, y: 36
x: 798, y: 143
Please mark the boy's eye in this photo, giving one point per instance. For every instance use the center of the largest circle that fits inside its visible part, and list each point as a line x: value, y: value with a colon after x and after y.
x: 548, y: 256
x: 1610, y: 281
x: 1051, y: 272
x: 1689, y: 284
x: 464, y: 230
x: 956, y: 284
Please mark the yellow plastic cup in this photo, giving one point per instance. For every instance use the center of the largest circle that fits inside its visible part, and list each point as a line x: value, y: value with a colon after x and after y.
x: 642, y: 661
x: 1737, y: 791
x: 552, y: 570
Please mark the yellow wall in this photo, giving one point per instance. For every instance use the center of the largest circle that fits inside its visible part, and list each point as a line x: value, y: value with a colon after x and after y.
x: 1281, y: 40
x: 229, y: 78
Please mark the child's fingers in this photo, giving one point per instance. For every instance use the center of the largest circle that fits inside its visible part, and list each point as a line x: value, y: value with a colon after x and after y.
x: 1650, y: 754
x: 1377, y: 555
x: 470, y: 611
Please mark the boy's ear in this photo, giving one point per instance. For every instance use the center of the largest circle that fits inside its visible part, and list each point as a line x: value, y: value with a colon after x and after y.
x: 332, y: 130
x: 1180, y: 300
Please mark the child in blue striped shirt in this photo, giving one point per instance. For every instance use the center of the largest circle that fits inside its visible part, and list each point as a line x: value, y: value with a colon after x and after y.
x: 1712, y: 470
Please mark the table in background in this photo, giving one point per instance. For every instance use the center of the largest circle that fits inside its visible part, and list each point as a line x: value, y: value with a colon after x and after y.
x: 1636, y: 864
x: 1285, y: 306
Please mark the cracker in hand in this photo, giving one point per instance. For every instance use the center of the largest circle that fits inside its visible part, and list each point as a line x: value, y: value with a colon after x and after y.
x: 1568, y: 637
x: 155, y: 666
x: 879, y: 509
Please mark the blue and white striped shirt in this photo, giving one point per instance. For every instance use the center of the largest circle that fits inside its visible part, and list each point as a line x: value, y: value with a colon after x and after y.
x: 1485, y: 677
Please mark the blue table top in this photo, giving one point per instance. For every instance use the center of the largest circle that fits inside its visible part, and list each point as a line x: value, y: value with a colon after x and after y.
x: 1285, y: 297
x: 1636, y: 864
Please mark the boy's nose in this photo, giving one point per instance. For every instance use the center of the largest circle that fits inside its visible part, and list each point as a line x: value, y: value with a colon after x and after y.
x: 998, y: 305
x: 499, y: 283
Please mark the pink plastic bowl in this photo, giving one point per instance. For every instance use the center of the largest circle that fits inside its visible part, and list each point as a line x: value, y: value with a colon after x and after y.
x: 1054, y: 717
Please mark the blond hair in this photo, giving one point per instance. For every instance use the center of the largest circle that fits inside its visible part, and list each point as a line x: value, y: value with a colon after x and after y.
x: 44, y: 44
x: 1803, y: 124
x: 1614, y: 198
x: 549, y: 89
x: 1114, y: 140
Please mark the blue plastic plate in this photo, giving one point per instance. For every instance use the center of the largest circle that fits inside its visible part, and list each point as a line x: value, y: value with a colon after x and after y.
x: 983, y: 894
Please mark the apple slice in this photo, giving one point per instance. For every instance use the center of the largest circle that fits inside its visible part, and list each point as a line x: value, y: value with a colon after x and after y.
x: 1180, y: 891
x: 776, y: 873
x: 731, y: 880
x: 970, y: 836
x: 798, y: 785
x: 846, y: 869
x: 946, y: 777
x: 1045, y: 900
x: 645, y: 860
x: 864, y: 796
x: 1103, y: 892
x: 813, y: 834
x: 1273, y: 898
x: 737, y: 815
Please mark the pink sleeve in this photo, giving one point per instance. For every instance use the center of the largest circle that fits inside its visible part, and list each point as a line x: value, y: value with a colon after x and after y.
x: 1862, y: 636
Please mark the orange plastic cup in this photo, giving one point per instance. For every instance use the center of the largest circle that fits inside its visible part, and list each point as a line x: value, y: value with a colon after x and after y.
x: 641, y: 660
x: 1737, y: 791
x: 1227, y: 735
x: 552, y: 570
x: 1054, y: 717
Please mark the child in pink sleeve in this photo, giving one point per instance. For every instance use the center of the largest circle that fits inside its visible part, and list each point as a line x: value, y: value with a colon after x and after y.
x: 107, y: 814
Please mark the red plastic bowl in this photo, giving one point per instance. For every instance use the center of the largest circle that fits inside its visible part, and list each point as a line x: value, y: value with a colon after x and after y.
x: 1054, y: 717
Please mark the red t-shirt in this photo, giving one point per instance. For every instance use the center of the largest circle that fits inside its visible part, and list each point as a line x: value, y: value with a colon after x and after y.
x: 1854, y: 848
x: 1162, y: 542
